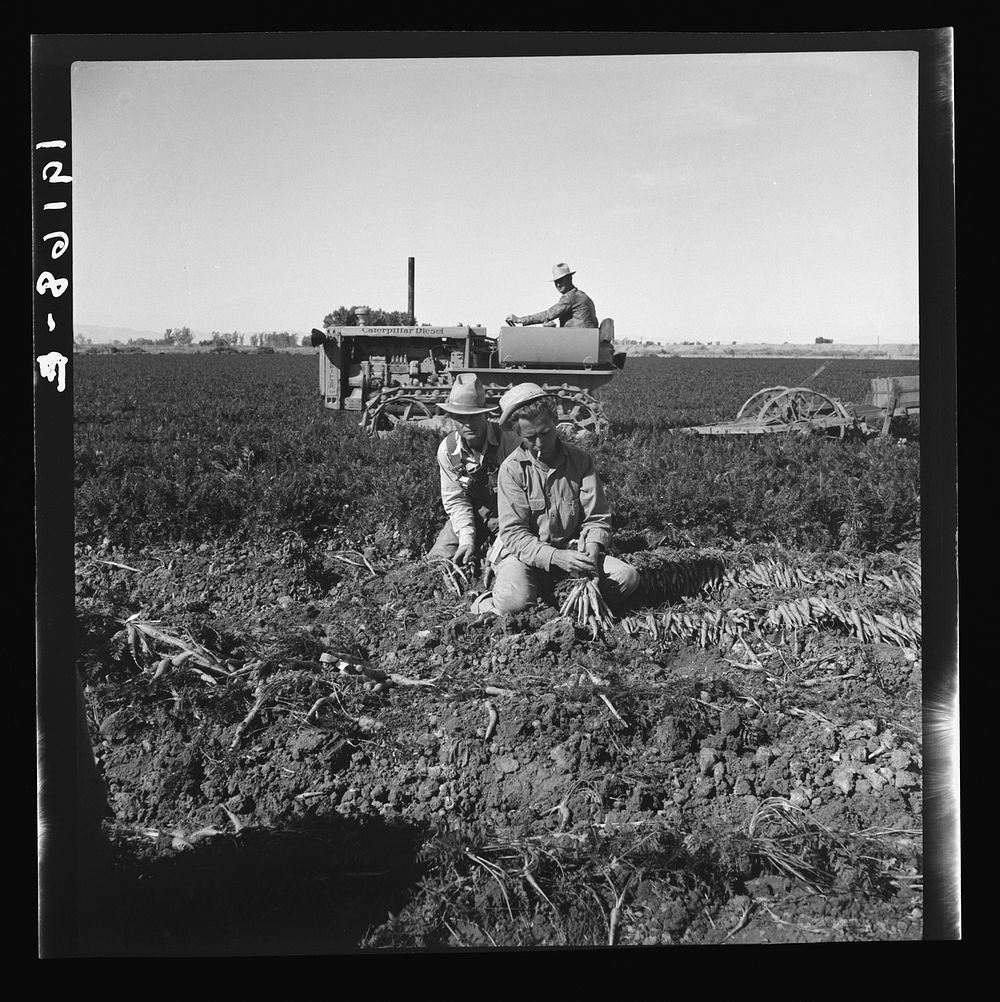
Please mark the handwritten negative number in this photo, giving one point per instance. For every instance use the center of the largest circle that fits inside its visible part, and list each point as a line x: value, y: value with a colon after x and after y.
x: 47, y: 282
x: 57, y: 176
x: 61, y: 242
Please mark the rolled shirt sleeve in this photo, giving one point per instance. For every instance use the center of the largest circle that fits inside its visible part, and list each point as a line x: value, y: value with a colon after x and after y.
x: 456, y: 502
x: 574, y: 309
x: 596, y: 524
x: 561, y: 309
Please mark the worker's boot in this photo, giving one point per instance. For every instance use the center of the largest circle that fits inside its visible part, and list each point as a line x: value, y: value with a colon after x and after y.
x: 483, y: 604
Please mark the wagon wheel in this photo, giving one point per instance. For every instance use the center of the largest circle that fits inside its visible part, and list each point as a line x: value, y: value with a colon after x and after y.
x: 757, y: 400
x: 391, y: 408
x: 800, y: 407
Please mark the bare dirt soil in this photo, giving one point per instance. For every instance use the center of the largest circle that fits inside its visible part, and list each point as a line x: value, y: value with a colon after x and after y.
x: 347, y: 758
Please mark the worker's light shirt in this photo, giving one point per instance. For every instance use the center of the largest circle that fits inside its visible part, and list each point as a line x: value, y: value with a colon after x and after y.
x: 468, y: 478
x: 542, y: 509
x: 574, y: 309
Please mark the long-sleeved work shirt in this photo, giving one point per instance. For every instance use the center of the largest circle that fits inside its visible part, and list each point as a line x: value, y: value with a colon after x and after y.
x: 574, y: 309
x: 543, y: 509
x: 468, y: 478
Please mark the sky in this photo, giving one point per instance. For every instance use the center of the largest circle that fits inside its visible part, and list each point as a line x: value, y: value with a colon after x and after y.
x: 718, y: 196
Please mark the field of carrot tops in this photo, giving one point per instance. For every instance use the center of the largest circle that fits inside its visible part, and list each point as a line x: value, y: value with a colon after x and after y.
x: 311, y: 745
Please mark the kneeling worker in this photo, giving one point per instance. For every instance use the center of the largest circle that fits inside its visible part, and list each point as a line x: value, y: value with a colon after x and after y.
x: 554, y: 518
x: 468, y: 459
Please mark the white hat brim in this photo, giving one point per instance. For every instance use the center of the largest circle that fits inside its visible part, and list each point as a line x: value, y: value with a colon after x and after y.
x: 459, y: 409
x: 506, y: 415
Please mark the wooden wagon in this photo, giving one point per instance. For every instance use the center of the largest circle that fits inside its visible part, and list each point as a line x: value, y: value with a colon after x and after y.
x: 783, y: 409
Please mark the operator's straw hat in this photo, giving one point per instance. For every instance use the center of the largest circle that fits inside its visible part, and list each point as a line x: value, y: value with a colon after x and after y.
x: 518, y: 396
x: 467, y: 396
x: 561, y: 270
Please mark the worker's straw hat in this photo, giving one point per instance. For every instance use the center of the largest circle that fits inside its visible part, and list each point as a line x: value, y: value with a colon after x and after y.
x: 518, y: 396
x: 467, y: 396
x: 561, y: 270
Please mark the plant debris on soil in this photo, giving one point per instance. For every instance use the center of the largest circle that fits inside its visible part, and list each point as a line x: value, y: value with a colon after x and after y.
x: 335, y: 753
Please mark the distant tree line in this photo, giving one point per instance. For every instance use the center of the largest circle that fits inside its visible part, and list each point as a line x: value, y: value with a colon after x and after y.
x: 172, y: 335
x: 221, y: 339
x: 343, y: 316
x: 347, y: 316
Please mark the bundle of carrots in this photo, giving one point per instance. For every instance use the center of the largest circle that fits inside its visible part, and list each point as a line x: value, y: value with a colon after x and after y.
x: 586, y: 606
x: 455, y: 576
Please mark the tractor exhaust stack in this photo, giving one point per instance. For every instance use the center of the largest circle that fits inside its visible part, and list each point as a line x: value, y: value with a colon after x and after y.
x: 409, y: 302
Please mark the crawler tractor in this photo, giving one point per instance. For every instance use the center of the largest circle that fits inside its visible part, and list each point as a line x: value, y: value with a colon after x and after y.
x: 391, y: 375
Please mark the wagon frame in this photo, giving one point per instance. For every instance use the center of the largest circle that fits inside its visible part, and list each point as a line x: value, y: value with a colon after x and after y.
x: 777, y: 410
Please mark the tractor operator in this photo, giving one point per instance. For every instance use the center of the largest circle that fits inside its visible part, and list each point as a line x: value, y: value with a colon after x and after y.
x: 554, y: 519
x: 574, y: 309
x: 468, y: 459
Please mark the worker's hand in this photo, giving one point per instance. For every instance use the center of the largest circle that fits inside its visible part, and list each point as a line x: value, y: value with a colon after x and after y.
x: 574, y: 563
x: 464, y: 553
x: 512, y: 319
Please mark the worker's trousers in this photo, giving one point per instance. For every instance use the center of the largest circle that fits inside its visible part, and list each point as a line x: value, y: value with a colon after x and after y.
x: 518, y: 585
x: 446, y: 544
